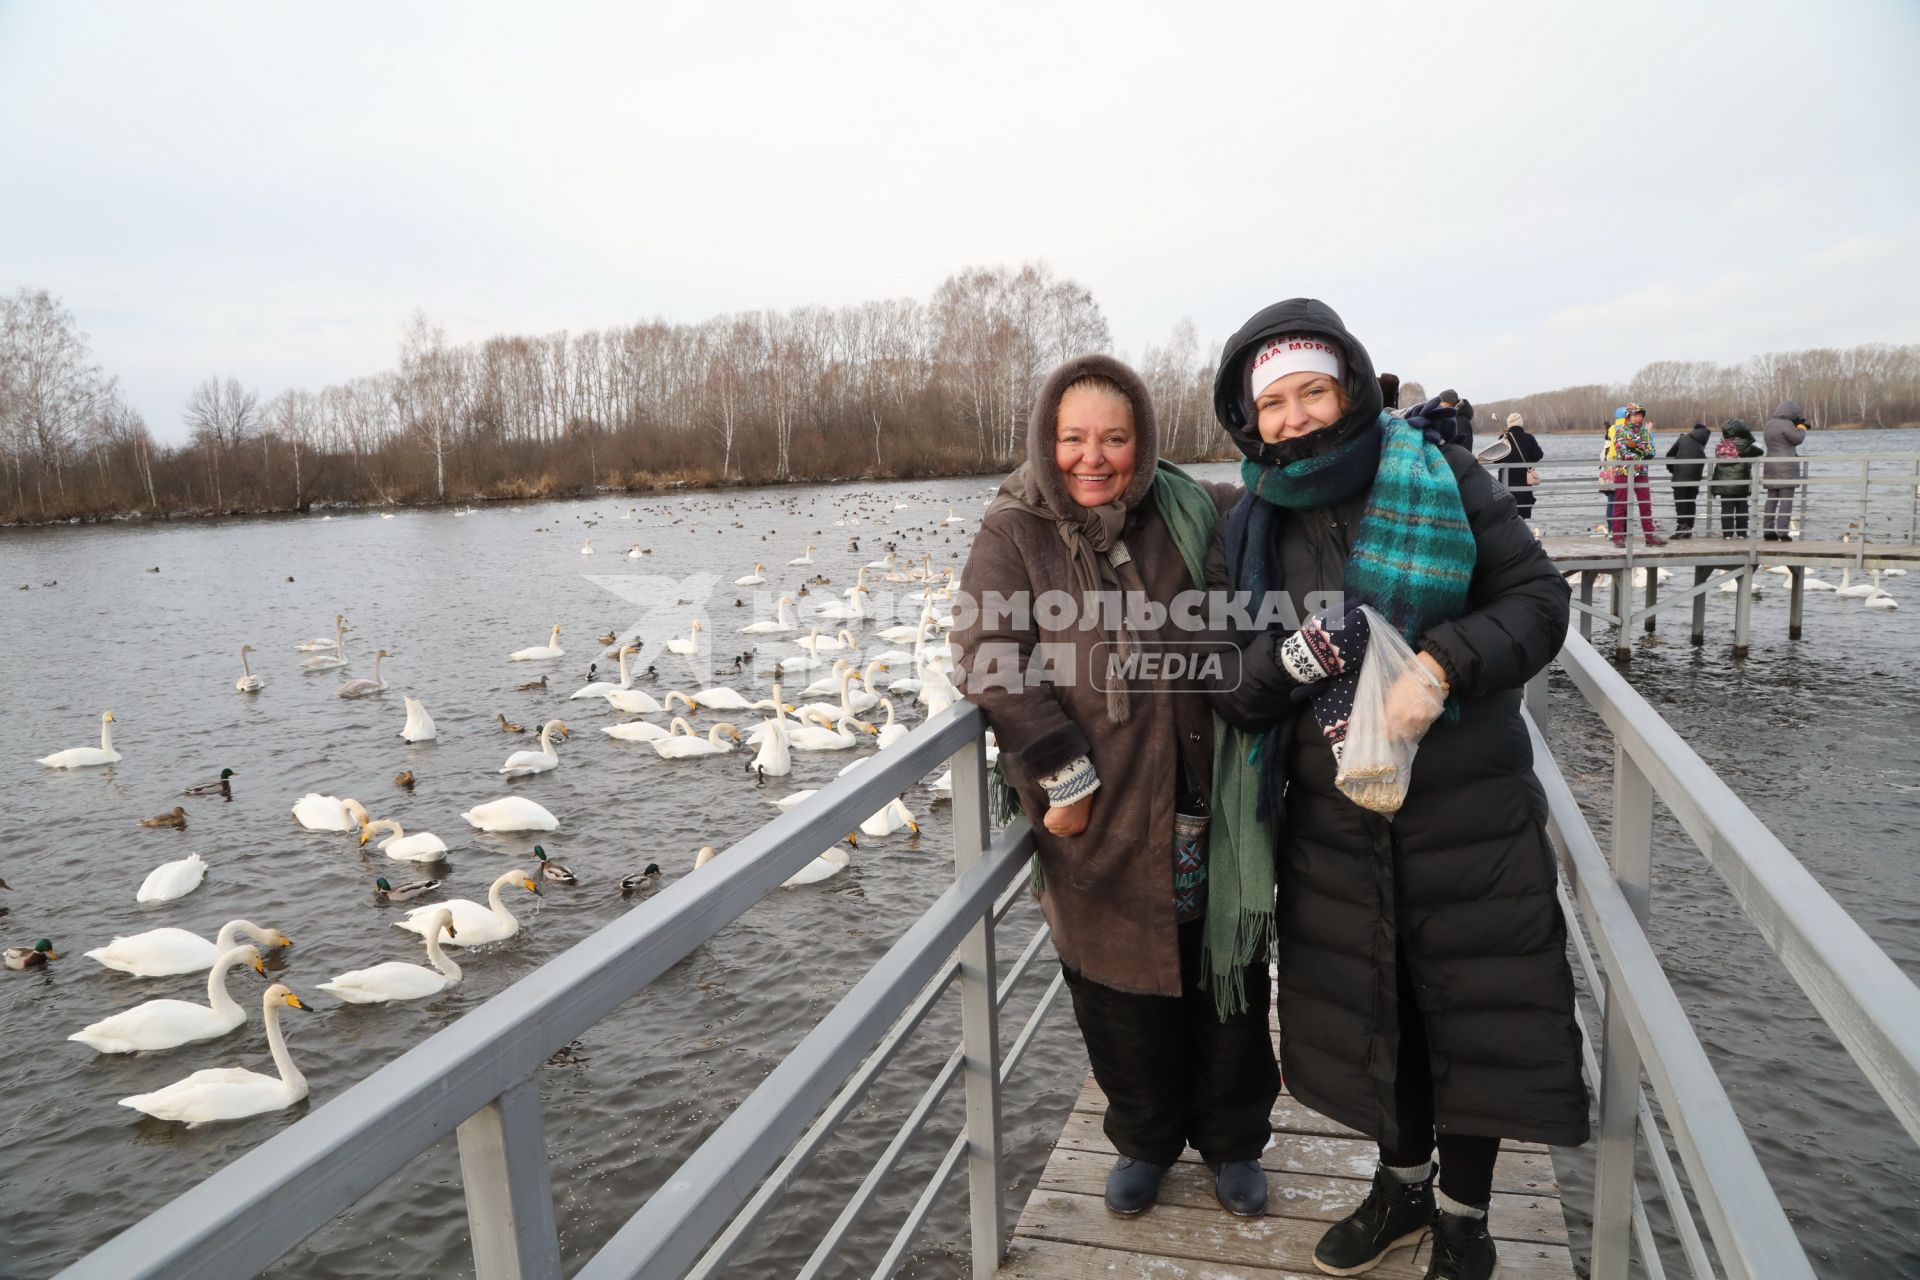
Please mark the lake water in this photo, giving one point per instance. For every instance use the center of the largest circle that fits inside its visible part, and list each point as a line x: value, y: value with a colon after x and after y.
x: 1832, y: 769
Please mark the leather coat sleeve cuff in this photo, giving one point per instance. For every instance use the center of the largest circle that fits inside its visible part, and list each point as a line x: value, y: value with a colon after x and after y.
x: 1054, y: 750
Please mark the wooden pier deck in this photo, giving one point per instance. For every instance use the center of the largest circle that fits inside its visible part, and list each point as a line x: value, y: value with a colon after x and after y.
x: 1317, y: 1171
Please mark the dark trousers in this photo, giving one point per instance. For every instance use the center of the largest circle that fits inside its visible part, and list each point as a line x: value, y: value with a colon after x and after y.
x: 1683, y: 503
x: 1733, y: 517
x: 1176, y: 1075
x: 1777, y: 518
x: 1466, y: 1160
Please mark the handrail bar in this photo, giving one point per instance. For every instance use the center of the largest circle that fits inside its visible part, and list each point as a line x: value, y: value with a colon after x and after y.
x: 320, y: 1166
x: 1871, y: 1006
x: 672, y: 1229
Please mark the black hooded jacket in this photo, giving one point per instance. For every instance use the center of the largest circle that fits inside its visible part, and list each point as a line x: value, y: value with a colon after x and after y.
x: 1688, y: 446
x: 1460, y: 885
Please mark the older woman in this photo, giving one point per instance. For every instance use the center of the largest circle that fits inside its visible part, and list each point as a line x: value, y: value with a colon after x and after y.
x: 1159, y: 928
x: 1423, y: 981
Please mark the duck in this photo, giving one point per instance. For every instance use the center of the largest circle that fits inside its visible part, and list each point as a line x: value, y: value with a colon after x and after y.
x: 231, y: 1093
x: 475, y: 924
x: 32, y: 957
x: 386, y: 891
x: 404, y: 779
x: 783, y: 621
x: 316, y: 812
x: 830, y: 863
x: 639, y: 880
x: 601, y: 688
x: 551, y: 870
x: 338, y: 658
x: 511, y: 813
x: 532, y: 686
x: 805, y: 559
x: 166, y: 953
x: 688, y: 647
x: 315, y: 646
x: 754, y: 579
x: 248, y: 682
x: 397, y: 980
x: 164, y: 1024
x: 551, y: 649
x: 175, y: 818
x: 522, y: 763
x: 361, y: 688
x: 508, y: 726
x: 220, y: 786
x: 419, y: 726
x: 890, y: 819
x: 684, y: 744
x: 423, y: 846
x: 86, y: 757
x: 172, y: 880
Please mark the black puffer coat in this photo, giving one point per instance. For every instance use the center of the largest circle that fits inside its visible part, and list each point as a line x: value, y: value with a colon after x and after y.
x: 1461, y: 882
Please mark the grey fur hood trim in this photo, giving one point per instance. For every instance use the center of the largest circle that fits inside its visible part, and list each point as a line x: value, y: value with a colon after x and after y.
x: 1046, y: 415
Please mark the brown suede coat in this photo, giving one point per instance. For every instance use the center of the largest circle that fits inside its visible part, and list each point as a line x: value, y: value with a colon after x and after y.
x: 1109, y: 893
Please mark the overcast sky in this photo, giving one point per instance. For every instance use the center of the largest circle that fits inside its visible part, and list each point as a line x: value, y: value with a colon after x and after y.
x: 1500, y: 197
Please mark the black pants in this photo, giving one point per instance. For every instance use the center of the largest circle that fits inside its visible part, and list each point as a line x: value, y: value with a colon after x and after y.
x: 1683, y: 503
x: 1176, y: 1075
x: 1523, y: 501
x: 1466, y: 1160
x: 1733, y: 517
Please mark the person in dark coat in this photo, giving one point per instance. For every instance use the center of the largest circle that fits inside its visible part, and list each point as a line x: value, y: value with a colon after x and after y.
x: 1528, y: 451
x: 1783, y: 434
x: 1690, y: 451
x: 1114, y: 772
x: 1423, y: 987
x: 1732, y: 475
x: 1463, y: 425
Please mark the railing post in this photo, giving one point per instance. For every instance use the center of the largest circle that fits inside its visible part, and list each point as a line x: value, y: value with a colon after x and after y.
x: 1653, y: 594
x: 1619, y: 1055
x: 1698, y: 636
x: 1537, y: 699
x: 1743, y: 610
x: 979, y: 1020
x: 1796, y: 598
x: 1586, y: 598
x: 503, y: 1164
x: 1622, y: 607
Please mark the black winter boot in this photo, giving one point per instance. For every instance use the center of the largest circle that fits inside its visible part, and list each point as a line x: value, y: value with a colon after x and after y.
x: 1393, y: 1215
x: 1462, y: 1249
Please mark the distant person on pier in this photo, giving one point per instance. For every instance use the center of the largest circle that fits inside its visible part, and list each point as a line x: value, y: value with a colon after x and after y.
x: 1733, y: 475
x: 1527, y: 450
x: 1390, y: 391
x: 1160, y: 919
x: 1463, y: 425
x: 1686, y: 475
x: 1421, y: 959
x: 1783, y: 432
x: 1629, y: 447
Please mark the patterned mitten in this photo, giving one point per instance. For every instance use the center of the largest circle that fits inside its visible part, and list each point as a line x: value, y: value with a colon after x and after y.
x: 1320, y: 651
x: 1332, y: 709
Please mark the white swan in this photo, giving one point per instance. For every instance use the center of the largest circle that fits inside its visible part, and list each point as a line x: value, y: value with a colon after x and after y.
x: 522, y: 763
x: 172, y: 880
x: 338, y: 658
x: 889, y: 734
x: 828, y: 683
x: 952, y: 518
x: 942, y: 786
x: 1849, y: 590
x: 689, y: 646
x: 511, y: 813
x: 248, y: 682
x: 315, y: 646
x: 586, y: 547
x: 854, y: 610
x: 1811, y: 583
x: 551, y: 649
x: 163, y: 953
x: 885, y: 564
x: 775, y: 757
x: 823, y: 735
x: 361, y: 688
x: 420, y: 727
x: 473, y: 923
x: 634, y: 731
x: 635, y: 702
x: 162, y: 1024
x: 830, y: 863
x: 82, y: 757
x: 845, y: 707
x: 231, y: 1093
x: 890, y: 819
x: 422, y: 846
x: 685, y: 744
x: 396, y: 980
x: 327, y: 813
x: 754, y: 579
x: 803, y: 559
x: 783, y: 622
x: 600, y: 688
x: 720, y: 698
x: 1881, y: 601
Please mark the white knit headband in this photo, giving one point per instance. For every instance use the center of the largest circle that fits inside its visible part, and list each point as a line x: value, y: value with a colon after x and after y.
x: 1292, y: 353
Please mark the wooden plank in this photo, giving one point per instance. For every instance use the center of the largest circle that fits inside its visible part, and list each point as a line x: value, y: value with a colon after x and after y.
x: 1313, y: 1197
x: 1210, y: 1236
x: 1519, y: 1172
x: 1054, y: 1260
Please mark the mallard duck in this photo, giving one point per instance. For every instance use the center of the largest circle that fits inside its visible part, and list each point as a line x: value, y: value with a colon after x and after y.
x: 608, y: 638
x: 218, y: 787
x: 404, y: 778
x: 31, y: 957
x: 630, y: 885
x: 176, y: 818
x: 402, y: 892
x: 552, y: 870
x: 508, y: 726
x: 532, y: 686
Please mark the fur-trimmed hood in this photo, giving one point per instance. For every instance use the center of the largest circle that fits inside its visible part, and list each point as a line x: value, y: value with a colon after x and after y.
x: 1233, y: 405
x: 1041, y: 428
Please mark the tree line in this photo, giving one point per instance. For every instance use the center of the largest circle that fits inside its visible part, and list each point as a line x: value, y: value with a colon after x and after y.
x: 894, y: 388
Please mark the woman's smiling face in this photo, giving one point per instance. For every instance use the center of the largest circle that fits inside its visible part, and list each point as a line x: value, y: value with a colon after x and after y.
x: 1299, y: 404
x: 1094, y: 445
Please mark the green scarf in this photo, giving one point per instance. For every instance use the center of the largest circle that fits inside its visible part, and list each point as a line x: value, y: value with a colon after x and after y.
x: 1240, y: 881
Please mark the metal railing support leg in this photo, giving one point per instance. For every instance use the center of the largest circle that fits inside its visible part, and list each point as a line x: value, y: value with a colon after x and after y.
x: 979, y: 1021
x: 1699, y: 635
x: 503, y: 1164
x: 1796, y: 597
x: 1653, y: 594
x: 1586, y: 598
x: 1537, y: 693
x: 1622, y: 606
x: 1743, y: 611
x: 1619, y: 1056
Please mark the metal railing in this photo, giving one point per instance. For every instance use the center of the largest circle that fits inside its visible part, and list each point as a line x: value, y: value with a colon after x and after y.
x: 477, y: 1077
x: 1869, y: 1004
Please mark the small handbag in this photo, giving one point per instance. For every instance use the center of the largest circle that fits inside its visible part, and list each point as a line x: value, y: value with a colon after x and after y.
x: 1533, y: 477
